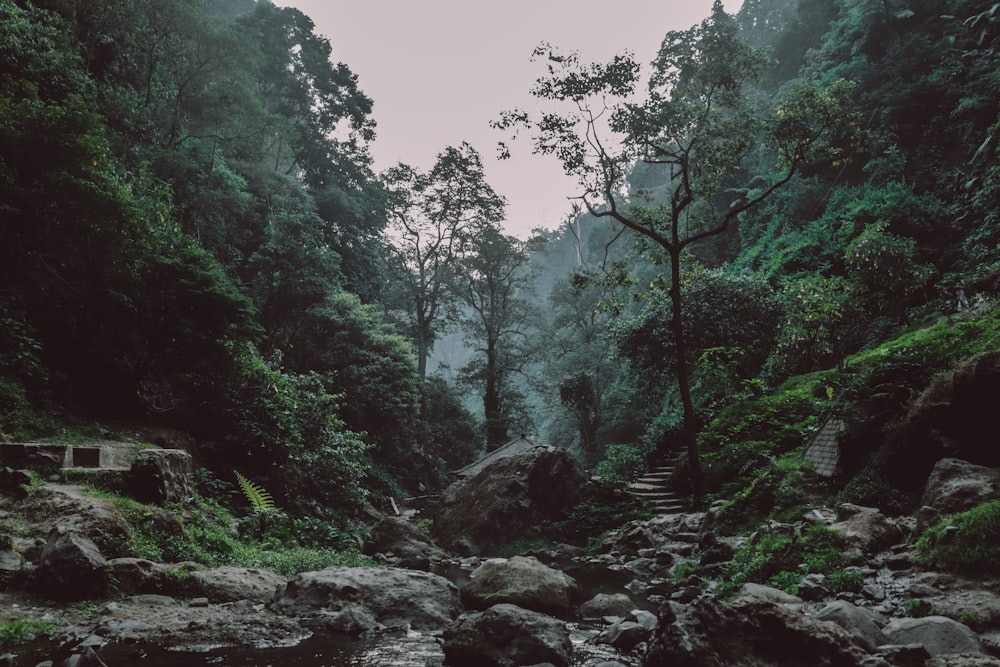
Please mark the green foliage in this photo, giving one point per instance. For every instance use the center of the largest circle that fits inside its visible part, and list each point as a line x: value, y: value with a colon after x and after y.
x: 882, y: 266
x: 966, y: 543
x: 623, y: 463
x: 23, y: 630
x: 782, y: 559
x: 261, y: 503
x: 776, y: 490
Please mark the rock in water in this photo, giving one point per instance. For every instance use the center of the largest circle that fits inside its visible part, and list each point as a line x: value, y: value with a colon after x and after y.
x: 523, y: 581
x: 506, y: 635
x: 352, y: 598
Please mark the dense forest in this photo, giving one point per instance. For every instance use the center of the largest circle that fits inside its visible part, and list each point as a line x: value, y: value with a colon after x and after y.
x: 796, y: 218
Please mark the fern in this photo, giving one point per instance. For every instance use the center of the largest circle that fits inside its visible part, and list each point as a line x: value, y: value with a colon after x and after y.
x: 261, y: 503
x: 260, y: 500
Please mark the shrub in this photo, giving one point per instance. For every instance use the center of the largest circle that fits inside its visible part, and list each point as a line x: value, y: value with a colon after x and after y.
x: 968, y: 542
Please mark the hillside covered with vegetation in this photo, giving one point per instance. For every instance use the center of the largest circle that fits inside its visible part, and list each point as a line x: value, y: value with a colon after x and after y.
x: 798, y: 219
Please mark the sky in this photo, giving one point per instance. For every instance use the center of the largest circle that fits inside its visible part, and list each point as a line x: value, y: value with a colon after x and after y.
x: 439, y: 71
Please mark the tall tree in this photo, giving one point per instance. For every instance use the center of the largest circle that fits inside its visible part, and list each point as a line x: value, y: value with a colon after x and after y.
x: 433, y: 219
x: 494, y: 274
x: 695, y: 125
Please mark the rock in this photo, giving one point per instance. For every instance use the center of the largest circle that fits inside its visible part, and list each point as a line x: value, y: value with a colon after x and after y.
x: 71, y: 568
x: 13, y: 482
x: 956, y: 486
x: 812, y: 587
x: 67, y: 507
x: 904, y: 655
x: 11, y: 565
x: 606, y: 604
x: 963, y: 660
x: 751, y: 592
x: 523, y: 581
x: 629, y: 632
x: 229, y: 584
x: 506, y: 635
x: 750, y: 633
x: 402, y: 540
x: 863, y: 625
x: 983, y: 606
x: 88, y: 658
x: 162, y: 476
x: 937, y: 634
x: 867, y: 529
x: 392, y: 596
x: 135, y: 576
x: 512, y: 498
x: 623, y: 635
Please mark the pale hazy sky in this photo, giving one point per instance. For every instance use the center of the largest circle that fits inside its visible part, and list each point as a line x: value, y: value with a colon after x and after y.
x: 439, y: 71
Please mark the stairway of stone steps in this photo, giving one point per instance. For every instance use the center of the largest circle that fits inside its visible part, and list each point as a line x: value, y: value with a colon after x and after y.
x: 655, y: 489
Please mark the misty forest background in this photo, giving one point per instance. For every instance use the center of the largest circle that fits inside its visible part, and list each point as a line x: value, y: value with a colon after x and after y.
x: 192, y: 236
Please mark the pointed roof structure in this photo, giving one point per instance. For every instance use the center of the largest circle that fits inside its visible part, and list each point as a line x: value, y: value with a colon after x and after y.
x: 515, y: 446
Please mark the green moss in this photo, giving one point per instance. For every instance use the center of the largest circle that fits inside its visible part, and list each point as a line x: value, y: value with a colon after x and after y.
x: 968, y: 542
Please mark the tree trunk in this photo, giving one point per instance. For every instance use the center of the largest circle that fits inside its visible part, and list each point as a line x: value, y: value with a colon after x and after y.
x: 689, y: 431
x: 496, y: 431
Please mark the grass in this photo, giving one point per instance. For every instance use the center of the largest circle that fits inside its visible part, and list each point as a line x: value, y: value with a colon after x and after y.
x: 967, y: 542
x: 23, y: 630
x: 210, y: 538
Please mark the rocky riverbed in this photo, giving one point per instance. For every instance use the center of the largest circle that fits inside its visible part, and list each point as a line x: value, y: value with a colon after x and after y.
x: 623, y: 603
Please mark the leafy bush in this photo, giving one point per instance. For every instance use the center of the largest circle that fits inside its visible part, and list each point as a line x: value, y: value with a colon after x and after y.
x: 776, y: 491
x: 21, y: 630
x: 968, y: 542
x: 783, y: 559
x: 622, y: 464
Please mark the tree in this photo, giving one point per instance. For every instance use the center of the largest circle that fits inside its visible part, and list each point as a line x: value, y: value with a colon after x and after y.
x: 433, y: 217
x: 494, y: 273
x: 695, y: 125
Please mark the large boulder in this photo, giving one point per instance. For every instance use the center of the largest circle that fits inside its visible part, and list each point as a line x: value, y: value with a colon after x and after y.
x: 938, y: 634
x: 162, y: 476
x: 523, y: 581
x: 506, y: 635
x: 400, y: 543
x: 358, y: 599
x: 512, y: 498
x: 866, y: 529
x: 956, y: 486
x: 864, y: 625
x: 71, y: 568
x: 708, y: 632
x: 67, y: 507
x: 230, y: 584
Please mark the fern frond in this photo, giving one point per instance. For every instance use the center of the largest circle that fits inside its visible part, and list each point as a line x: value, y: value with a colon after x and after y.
x: 260, y: 500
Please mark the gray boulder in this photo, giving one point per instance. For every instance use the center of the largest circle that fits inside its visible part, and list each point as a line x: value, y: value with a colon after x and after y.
x: 863, y: 624
x: 606, y: 604
x: 514, y: 497
x: 938, y: 634
x: 229, y: 584
x: 750, y: 633
x: 162, y: 476
x: 866, y: 529
x: 956, y: 486
x: 68, y: 508
x: 506, y: 635
x: 523, y: 581
x: 391, y: 597
x: 402, y: 544
x: 71, y: 568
